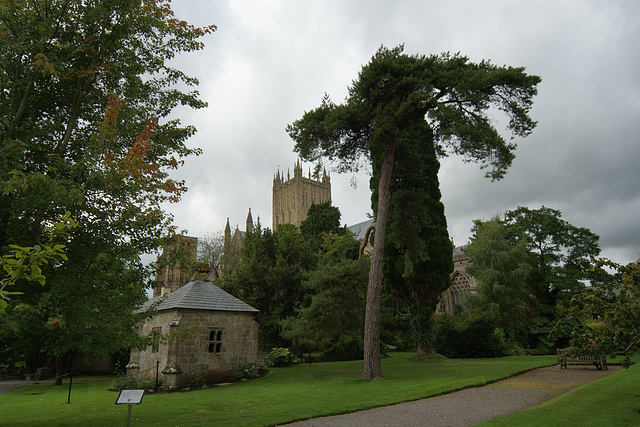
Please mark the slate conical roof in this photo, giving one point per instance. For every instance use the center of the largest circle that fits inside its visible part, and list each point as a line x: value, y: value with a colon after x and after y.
x: 198, y: 295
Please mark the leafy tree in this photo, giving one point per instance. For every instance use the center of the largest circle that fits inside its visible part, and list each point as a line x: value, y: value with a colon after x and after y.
x: 269, y: 277
x: 469, y: 334
x: 334, y: 296
x: 501, y: 269
x: 210, y: 254
x: 612, y: 310
x: 418, y: 262
x: 321, y: 218
x: 558, y: 255
x: 561, y: 252
x: 393, y: 93
x: 27, y: 262
x: 85, y: 92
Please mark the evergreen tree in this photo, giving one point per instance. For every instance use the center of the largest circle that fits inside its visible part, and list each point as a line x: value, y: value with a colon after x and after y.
x: 321, y: 218
x: 269, y: 277
x: 334, y: 294
x: 393, y: 93
x: 418, y: 262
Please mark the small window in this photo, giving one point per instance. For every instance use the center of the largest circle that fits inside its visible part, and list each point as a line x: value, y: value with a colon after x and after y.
x: 215, y: 341
x: 156, y: 332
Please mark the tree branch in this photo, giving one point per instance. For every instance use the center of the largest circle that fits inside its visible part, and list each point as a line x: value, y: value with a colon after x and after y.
x: 23, y: 106
x: 82, y: 85
x: 365, y: 240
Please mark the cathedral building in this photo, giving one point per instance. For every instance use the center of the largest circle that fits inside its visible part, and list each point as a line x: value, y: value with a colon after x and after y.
x: 233, y: 243
x: 462, y: 283
x: 293, y: 197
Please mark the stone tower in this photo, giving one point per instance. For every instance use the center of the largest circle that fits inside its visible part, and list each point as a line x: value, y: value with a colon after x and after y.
x: 170, y: 275
x: 293, y: 198
x: 232, y: 245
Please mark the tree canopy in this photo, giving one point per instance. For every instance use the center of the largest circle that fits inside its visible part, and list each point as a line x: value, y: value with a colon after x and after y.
x: 394, y: 92
x: 321, y: 218
x: 86, y: 91
x: 527, y: 261
x: 332, y: 307
x: 560, y: 252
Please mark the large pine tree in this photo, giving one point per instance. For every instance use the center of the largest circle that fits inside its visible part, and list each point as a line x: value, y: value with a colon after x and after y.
x: 393, y: 93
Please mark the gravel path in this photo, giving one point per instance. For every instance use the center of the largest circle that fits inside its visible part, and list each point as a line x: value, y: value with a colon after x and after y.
x: 471, y: 406
x: 7, y: 386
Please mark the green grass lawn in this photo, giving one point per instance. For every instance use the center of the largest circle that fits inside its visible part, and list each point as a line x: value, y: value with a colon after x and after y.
x: 284, y: 395
x: 611, y: 401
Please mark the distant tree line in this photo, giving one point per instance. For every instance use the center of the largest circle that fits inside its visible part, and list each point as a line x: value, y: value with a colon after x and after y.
x: 310, y: 286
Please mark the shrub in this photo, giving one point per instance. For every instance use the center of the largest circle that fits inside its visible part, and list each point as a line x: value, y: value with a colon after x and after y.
x: 280, y: 356
x: 466, y: 336
x: 348, y: 347
x: 248, y: 371
x: 125, y: 382
x: 197, y: 380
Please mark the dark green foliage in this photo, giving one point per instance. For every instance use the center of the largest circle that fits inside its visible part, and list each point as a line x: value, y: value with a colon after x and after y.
x: 280, y: 357
x: 394, y: 91
x: 345, y: 347
x: 611, y: 311
x: 321, y: 218
x: 560, y: 330
x: 334, y: 294
x: 501, y: 268
x: 127, y: 382
x: 559, y: 255
x: 526, y: 264
x: 248, y: 371
x: 197, y: 380
x: 465, y: 336
x: 420, y: 324
x: 269, y: 277
x: 560, y: 252
x: 417, y: 259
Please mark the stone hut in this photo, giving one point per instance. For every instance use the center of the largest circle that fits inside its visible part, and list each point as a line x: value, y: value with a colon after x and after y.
x: 211, y: 335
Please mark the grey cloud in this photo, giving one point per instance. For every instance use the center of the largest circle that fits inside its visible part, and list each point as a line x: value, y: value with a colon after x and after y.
x: 270, y: 61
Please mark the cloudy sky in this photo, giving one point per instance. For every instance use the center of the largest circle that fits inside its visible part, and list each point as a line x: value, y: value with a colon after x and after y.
x: 272, y: 60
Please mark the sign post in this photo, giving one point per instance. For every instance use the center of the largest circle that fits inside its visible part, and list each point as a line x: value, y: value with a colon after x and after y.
x: 129, y: 398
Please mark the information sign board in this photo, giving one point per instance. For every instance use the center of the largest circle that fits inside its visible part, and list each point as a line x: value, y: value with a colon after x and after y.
x: 130, y: 397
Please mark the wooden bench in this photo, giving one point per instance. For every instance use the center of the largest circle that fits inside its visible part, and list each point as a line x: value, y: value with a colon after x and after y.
x: 600, y: 362
x: 41, y: 374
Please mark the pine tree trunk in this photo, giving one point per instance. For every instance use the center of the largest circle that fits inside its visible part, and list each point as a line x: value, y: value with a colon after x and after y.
x: 372, y: 363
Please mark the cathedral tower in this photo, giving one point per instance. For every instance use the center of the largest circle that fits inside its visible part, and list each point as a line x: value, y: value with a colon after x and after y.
x: 293, y: 197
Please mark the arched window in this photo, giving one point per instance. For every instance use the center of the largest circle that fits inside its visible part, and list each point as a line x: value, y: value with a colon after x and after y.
x: 459, y: 287
x: 215, y: 341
